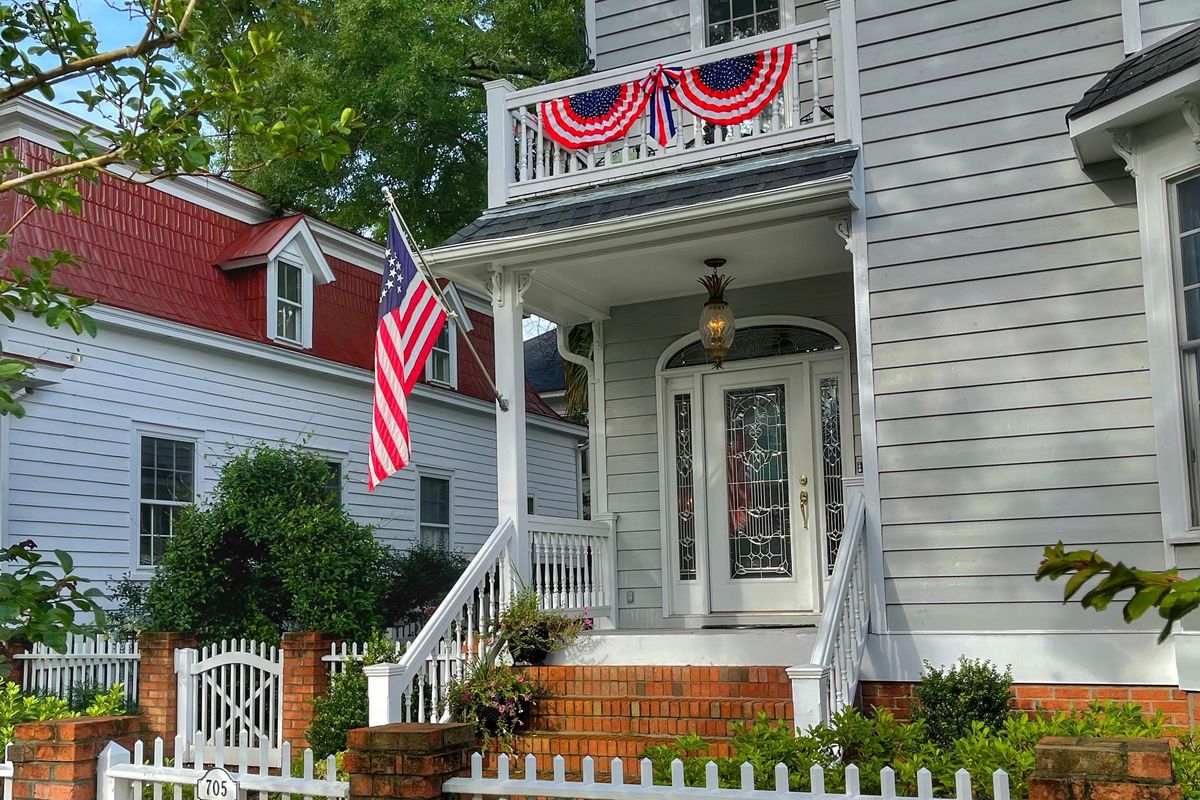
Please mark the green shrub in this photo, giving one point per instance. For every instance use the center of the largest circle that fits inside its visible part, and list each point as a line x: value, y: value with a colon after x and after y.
x: 951, y: 699
x: 416, y: 581
x: 17, y: 706
x: 129, y: 615
x: 270, y: 552
x: 345, y: 706
x: 874, y: 743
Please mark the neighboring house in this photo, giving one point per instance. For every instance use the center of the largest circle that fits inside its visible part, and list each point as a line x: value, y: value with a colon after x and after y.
x: 220, y: 325
x: 544, y: 367
x: 959, y: 313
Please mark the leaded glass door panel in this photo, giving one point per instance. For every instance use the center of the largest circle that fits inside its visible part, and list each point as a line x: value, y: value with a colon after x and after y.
x: 759, y: 467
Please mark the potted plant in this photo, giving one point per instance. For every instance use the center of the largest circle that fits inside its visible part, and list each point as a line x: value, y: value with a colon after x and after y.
x: 494, y: 698
x: 532, y: 633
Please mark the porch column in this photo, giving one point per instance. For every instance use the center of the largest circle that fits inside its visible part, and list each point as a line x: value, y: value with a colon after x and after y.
x: 512, y: 478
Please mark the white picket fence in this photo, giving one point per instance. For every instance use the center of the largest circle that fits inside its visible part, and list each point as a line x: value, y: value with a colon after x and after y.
x: 6, y: 776
x: 231, y: 694
x: 587, y: 788
x: 341, y: 652
x: 123, y: 775
x: 86, y: 661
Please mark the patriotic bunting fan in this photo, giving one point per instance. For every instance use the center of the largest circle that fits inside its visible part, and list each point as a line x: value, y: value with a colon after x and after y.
x: 734, y: 89
x: 593, y: 117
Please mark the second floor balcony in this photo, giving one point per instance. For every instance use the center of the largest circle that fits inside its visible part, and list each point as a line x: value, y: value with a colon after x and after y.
x: 524, y: 161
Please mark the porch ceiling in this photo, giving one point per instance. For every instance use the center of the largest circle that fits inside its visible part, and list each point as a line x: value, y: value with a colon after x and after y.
x: 581, y: 272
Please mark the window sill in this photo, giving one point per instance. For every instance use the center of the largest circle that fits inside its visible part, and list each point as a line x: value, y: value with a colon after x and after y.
x: 288, y: 343
x: 441, y: 384
x: 1184, y: 537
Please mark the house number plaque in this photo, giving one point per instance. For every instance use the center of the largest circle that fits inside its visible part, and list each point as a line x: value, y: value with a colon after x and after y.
x: 217, y: 784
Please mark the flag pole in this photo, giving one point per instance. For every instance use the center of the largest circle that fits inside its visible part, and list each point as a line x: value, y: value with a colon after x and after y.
x: 441, y: 297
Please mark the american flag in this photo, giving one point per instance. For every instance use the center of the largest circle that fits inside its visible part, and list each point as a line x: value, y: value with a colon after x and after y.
x: 410, y: 321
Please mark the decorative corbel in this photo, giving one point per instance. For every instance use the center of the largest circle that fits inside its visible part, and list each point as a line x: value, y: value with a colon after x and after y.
x: 524, y: 281
x: 1190, y: 106
x: 1122, y: 145
x: 496, y: 286
x: 842, y: 226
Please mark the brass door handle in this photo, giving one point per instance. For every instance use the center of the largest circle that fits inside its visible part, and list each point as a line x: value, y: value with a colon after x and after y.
x: 804, y: 500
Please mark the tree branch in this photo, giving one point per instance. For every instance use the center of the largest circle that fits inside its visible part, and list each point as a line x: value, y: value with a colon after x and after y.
x: 84, y: 65
x: 62, y: 170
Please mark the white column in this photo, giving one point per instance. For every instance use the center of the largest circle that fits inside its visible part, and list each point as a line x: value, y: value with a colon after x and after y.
x: 810, y: 694
x: 502, y: 158
x: 512, y: 469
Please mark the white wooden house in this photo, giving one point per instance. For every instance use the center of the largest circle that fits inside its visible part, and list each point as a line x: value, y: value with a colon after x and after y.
x: 963, y: 239
x: 220, y: 325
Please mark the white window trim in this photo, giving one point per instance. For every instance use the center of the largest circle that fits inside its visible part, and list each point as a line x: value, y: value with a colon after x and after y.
x: 440, y: 474
x: 452, y: 339
x: 306, y: 304
x: 1162, y: 155
x: 138, y: 431
x: 699, y: 29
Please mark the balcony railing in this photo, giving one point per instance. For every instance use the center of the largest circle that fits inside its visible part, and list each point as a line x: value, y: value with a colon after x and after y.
x: 523, y: 160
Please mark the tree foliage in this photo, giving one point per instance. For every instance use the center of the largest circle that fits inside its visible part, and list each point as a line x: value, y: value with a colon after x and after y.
x: 415, y: 70
x: 157, y: 101
x: 1174, y: 596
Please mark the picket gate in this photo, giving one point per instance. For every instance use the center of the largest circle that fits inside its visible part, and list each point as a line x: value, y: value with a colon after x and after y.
x: 586, y: 787
x: 231, y: 694
x: 122, y: 775
x: 86, y: 661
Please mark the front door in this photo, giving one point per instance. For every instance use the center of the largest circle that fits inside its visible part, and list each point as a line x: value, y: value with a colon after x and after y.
x: 758, y: 450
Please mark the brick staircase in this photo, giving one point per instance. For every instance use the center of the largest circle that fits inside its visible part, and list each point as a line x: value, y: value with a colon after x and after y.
x: 606, y: 712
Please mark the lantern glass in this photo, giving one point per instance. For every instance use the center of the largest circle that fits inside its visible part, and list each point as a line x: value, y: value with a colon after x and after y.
x: 717, y: 328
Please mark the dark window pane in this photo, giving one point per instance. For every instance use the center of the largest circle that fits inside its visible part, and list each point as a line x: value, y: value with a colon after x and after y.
x: 435, y: 501
x: 743, y: 28
x: 1189, y: 204
x: 767, y: 5
x: 288, y: 284
x: 1191, y: 311
x: 334, y: 486
x: 743, y: 8
x: 768, y: 22
x: 719, y: 33
x: 1189, y: 247
x: 718, y: 10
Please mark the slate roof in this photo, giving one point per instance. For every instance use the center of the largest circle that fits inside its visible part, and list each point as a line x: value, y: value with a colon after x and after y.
x: 676, y: 190
x: 1169, y: 56
x: 543, y: 365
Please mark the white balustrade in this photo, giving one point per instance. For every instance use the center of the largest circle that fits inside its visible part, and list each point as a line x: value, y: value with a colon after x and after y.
x: 828, y: 683
x: 86, y: 661
x: 456, y: 635
x: 524, y: 160
x: 573, y: 564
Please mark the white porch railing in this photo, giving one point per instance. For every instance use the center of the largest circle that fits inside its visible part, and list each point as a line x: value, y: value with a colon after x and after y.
x: 415, y: 689
x: 122, y: 775
x: 523, y: 160
x: 6, y: 776
x: 573, y: 564
x: 828, y: 683
x: 87, y: 661
x: 762, y: 787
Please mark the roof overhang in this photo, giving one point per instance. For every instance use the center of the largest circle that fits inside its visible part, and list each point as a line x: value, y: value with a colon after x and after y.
x: 1093, y: 133
x: 627, y: 247
x: 294, y: 241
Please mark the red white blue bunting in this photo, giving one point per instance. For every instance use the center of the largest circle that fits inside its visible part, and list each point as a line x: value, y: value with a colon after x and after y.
x: 735, y: 89
x: 593, y: 117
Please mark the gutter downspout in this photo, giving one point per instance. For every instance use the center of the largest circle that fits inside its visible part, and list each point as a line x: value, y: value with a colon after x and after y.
x: 595, y: 394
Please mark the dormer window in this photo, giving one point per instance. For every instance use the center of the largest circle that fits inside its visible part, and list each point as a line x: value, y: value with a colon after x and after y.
x: 289, y: 302
x: 294, y: 266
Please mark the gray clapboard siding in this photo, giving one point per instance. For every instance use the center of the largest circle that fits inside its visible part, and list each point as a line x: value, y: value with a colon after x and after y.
x: 1010, y: 357
x: 635, y: 338
x: 1162, y: 18
x: 71, y: 459
x: 629, y: 31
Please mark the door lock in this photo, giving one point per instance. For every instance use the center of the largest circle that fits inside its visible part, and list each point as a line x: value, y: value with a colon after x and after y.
x: 804, y: 500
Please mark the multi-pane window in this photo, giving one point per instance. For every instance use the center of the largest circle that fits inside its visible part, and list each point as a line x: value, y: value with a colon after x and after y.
x: 334, y: 486
x: 438, y: 368
x: 168, y: 482
x: 728, y: 20
x: 1187, y: 254
x: 289, y: 302
x: 435, y: 512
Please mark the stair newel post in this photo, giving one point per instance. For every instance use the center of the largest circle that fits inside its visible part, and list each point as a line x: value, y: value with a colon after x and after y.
x: 810, y: 694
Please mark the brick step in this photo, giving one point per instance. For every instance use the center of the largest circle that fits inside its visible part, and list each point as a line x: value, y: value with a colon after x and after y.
x: 707, y: 717
x: 574, y: 747
x: 662, y: 682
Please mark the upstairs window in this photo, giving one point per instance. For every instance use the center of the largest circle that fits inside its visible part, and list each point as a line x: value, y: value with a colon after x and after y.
x: 1186, y: 230
x: 434, y: 506
x: 167, y: 484
x: 729, y: 20
x: 289, y: 303
x: 440, y: 368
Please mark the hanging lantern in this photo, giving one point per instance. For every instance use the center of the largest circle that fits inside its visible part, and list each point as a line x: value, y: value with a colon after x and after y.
x: 716, y: 318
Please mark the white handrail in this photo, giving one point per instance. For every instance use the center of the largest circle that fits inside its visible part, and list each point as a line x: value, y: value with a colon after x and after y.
x: 828, y: 683
x: 414, y: 690
x: 573, y: 564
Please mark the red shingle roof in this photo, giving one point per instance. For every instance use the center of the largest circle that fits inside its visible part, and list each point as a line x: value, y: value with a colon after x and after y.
x: 144, y: 250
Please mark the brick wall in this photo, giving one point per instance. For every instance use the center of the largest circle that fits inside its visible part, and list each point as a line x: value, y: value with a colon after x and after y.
x: 1179, y: 708
x: 158, y: 685
x: 58, y: 760
x: 305, y: 677
x: 1103, y: 769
